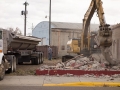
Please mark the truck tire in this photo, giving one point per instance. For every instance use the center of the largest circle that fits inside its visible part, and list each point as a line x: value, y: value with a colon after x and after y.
x: 19, y: 61
x: 3, y: 71
x: 14, y: 63
x: 42, y: 59
x: 16, y: 60
x: 39, y: 59
x: 32, y: 61
x: 36, y: 61
x: 10, y: 70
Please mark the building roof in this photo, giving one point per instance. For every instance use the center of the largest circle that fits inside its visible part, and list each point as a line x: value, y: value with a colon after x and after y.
x: 115, y: 26
x: 68, y: 25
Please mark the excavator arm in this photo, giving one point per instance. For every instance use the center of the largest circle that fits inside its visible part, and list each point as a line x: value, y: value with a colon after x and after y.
x: 104, y: 35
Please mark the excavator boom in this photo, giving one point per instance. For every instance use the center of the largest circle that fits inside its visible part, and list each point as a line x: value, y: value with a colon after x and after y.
x: 103, y: 38
x: 104, y: 35
x: 95, y: 6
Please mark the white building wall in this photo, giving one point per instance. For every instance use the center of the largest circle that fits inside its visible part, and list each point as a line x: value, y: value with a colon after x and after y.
x: 116, y: 43
x: 60, y: 39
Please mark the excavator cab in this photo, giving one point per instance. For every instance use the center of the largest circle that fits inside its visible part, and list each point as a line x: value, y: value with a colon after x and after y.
x: 73, y: 46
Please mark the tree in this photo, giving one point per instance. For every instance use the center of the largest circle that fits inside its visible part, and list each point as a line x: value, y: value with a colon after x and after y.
x: 16, y: 31
x: 11, y: 29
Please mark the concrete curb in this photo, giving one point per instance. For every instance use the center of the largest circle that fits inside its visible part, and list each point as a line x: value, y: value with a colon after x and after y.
x: 74, y: 72
x: 90, y: 84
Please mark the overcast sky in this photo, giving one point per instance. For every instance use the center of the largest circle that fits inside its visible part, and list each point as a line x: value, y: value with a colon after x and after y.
x: 62, y: 11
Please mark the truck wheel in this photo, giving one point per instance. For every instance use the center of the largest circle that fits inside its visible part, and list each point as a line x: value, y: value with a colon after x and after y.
x: 14, y: 64
x: 37, y: 61
x: 3, y: 71
x: 10, y: 70
x: 16, y: 60
x: 32, y: 61
x: 42, y: 59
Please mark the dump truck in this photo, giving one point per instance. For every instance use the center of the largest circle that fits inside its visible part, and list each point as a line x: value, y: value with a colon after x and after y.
x: 16, y: 49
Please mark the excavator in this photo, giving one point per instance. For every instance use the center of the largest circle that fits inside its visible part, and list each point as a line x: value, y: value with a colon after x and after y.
x: 103, y: 38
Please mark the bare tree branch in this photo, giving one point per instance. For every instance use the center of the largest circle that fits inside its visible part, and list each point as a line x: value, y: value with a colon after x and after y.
x: 16, y: 31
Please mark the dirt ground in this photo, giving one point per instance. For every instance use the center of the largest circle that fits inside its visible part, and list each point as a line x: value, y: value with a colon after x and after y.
x: 28, y: 69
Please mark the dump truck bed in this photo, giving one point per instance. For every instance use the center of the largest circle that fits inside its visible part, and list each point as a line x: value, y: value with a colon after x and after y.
x: 13, y: 42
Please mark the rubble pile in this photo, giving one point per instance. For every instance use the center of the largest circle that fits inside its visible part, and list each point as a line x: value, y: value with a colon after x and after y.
x: 82, y: 63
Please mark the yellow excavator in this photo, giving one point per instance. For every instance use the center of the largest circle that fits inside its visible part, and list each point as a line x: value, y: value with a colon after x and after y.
x: 103, y: 38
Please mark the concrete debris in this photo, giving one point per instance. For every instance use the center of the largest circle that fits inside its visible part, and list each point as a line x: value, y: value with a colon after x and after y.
x: 71, y: 63
x: 60, y: 65
x: 85, y: 63
x: 57, y: 75
x: 107, y: 76
x: 116, y: 68
x: 69, y: 75
x: 43, y: 67
x: 82, y: 63
x: 115, y: 76
x: 111, y: 78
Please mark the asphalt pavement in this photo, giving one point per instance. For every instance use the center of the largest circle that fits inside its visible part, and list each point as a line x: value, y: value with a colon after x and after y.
x: 55, y: 88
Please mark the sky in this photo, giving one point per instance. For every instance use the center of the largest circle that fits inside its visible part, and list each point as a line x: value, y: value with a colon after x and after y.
x: 61, y: 11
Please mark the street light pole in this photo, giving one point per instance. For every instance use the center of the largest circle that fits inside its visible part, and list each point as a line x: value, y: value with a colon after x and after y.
x: 50, y: 36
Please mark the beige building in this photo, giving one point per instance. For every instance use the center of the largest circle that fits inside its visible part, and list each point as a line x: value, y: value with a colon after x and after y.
x: 116, y: 42
x: 61, y: 33
x: 60, y: 38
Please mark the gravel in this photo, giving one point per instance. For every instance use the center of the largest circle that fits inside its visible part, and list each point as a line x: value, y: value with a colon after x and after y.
x: 28, y: 69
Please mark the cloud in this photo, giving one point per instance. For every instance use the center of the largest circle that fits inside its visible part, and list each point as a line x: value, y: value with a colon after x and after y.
x: 62, y: 11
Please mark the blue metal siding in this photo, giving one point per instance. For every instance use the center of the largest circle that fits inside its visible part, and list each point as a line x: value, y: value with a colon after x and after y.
x: 42, y: 31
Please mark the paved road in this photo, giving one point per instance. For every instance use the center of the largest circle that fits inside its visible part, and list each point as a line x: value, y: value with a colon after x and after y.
x: 55, y: 88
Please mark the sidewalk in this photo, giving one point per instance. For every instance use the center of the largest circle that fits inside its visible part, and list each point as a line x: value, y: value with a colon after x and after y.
x: 57, y: 81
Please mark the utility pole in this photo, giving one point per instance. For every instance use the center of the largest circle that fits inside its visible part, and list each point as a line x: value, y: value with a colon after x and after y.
x: 32, y: 28
x: 25, y: 14
x: 50, y: 32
